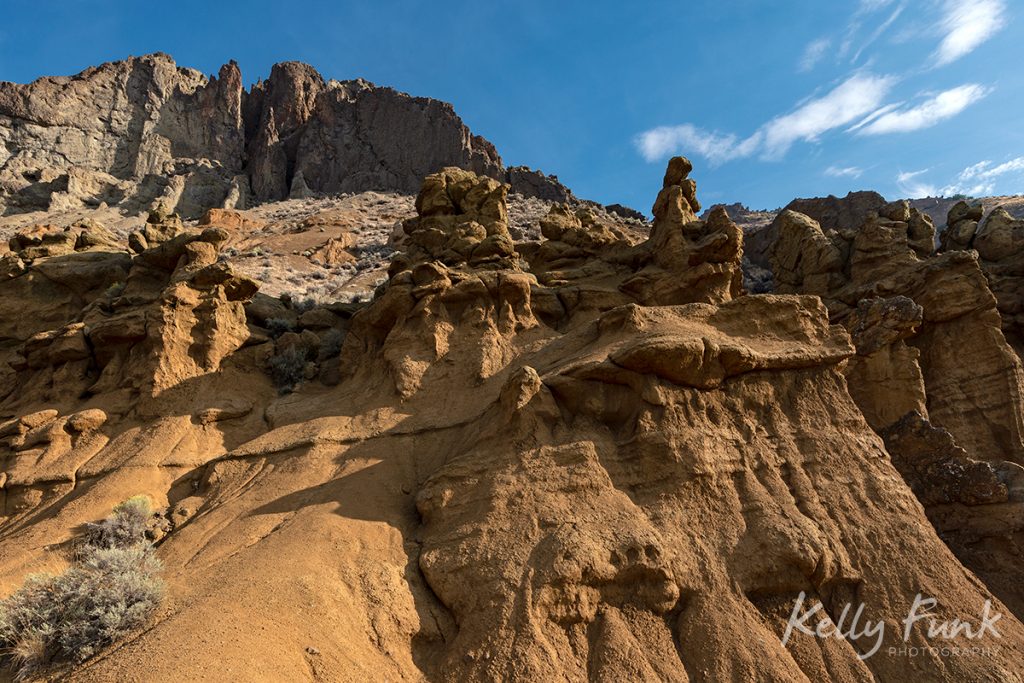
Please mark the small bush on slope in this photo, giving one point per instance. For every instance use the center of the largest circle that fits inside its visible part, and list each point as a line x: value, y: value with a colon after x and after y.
x: 110, y: 591
x: 125, y: 528
x: 331, y: 344
x: 288, y: 368
x: 278, y: 326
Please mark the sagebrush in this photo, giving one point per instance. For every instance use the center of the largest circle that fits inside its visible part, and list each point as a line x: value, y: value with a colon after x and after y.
x: 110, y: 590
x: 288, y: 368
x: 123, y: 529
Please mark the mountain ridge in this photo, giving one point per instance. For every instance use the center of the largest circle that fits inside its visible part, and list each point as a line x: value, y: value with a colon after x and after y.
x: 143, y: 131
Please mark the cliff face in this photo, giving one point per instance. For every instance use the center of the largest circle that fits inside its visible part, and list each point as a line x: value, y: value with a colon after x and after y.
x: 144, y: 131
x: 591, y: 457
x: 937, y: 370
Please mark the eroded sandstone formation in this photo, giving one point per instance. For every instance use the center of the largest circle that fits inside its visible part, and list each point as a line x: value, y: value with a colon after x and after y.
x: 588, y: 458
x: 934, y: 373
x: 999, y: 242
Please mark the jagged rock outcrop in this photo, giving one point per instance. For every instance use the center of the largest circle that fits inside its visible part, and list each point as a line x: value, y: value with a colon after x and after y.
x: 462, y: 219
x: 933, y: 372
x: 143, y: 131
x: 131, y: 132
x: 48, y: 240
x: 531, y: 183
x: 459, y: 278
x: 160, y: 227
x: 845, y: 218
x: 842, y: 214
x: 961, y: 226
x: 999, y: 241
x: 973, y: 379
x: 517, y: 476
x: 884, y: 377
x: 591, y: 263
x: 172, y: 313
x: 625, y: 212
x: 977, y: 507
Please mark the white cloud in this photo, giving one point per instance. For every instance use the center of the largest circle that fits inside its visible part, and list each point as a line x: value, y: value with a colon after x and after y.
x: 849, y: 101
x: 980, y: 179
x: 844, y: 172
x: 965, y: 25
x: 945, y: 105
x: 983, y: 171
x: 717, y: 148
x: 877, y: 33
x: 872, y: 5
x: 977, y: 180
x: 813, y: 53
x: 913, y: 188
x: 975, y: 170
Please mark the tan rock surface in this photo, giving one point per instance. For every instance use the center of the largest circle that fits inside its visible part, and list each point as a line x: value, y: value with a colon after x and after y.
x: 999, y: 241
x: 626, y: 473
x: 934, y: 373
x: 973, y: 379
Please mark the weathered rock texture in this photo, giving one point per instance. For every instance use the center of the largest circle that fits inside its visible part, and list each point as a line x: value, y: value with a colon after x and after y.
x: 999, y: 242
x: 972, y: 377
x: 143, y: 131
x: 590, y: 458
x: 933, y: 370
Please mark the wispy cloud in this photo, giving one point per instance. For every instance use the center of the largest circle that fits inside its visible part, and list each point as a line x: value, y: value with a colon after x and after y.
x: 980, y: 179
x: 945, y: 105
x: 844, y: 172
x: 913, y: 188
x: 985, y: 171
x: 861, y: 104
x: 860, y: 17
x: 851, y: 100
x: 977, y: 180
x: 872, y: 5
x: 717, y: 148
x: 813, y: 53
x: 965, y: 25
x: 879, y: 31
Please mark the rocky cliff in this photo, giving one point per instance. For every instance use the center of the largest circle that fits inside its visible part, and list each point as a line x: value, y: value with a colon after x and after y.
x: 590, y: 456
x: 145, y: 131
x: 934, y: 372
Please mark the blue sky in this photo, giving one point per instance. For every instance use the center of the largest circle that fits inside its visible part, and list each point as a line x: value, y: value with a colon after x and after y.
x: 770, y: 99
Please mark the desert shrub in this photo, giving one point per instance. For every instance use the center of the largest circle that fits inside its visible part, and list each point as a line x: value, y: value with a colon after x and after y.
x: 110, y: 591
x: 124, y: 528
x: 297, y: 304
x: 302, y: 305
x: 278, y: 326
x: 330, y: 345
x: 288, y: 368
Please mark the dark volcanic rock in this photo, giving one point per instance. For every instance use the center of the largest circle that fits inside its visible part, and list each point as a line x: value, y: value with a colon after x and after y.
x: 144, y: 131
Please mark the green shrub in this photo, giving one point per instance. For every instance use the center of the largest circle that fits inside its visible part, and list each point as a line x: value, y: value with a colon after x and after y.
x: 110, y: 591
x: 288, y: 368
